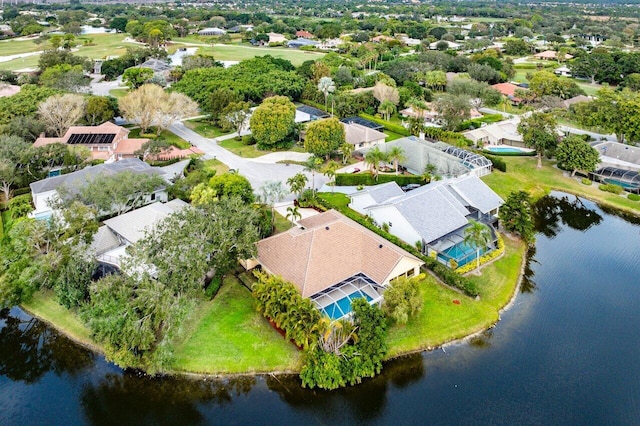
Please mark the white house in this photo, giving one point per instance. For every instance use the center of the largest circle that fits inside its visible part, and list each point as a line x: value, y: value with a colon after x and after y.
x: 362, y: 137
x: 450, y: 45
x: 500, y: 133
x: 46, y: 191
x: 373, y: 195
x: 562, y: 71
x: 434, y: 215
x: 112, y: 239
x: 212, y: 32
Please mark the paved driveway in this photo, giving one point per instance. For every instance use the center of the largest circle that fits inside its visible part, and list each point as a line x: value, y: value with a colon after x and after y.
x: 257, y: 172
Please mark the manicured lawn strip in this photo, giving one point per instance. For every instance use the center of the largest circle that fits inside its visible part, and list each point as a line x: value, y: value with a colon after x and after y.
x: 392, y: 136
x: 118, y: 93
x: 522, y: 173
x: 165, y: 135
x: 20, y: 63
x: 441, y: 320
x: 239, y: 53
x: 204, y: 128
x: 239, y: 148
x: 216, y: 165
x: 281, y: 224
x: 337, y: 199
x: 43, y: 305
x: 231, y: 337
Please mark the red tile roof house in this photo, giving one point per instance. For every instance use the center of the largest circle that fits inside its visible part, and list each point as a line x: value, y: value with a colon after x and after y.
x: 304, y: 34
x: 509, y: 90
x: 332, y: 260
x: 109, y: 142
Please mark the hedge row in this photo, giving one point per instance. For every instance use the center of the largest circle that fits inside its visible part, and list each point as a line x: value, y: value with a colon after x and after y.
x: 448, y: 276
x: 396, y: 128
x: 350, y: 179
x: 509, y: 154
x: 446, y: 136
x: 475, y: 123
x: 498, y: 163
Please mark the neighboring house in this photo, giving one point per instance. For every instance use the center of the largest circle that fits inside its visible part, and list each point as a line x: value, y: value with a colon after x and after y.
x: 159, y: 67
x: 45, y: 191
x: 373, y: 195
x: 107, y: 141
x: 362, y: 136
x: 212, y: 32
x: 276, y: 38
x: 332, y: 260
x: 382, y: 39
x: 363, y: 122
x: 311, y: 112
x: 112, y: 239
x: 500, y: 133
x: 450, y: 45
x: 430, y: 115
x: 330, y: 44
x: 449, y: 161
x: 436, y: 215
x: 508, y: 90
x: 410, y: 41
x: 300, y: 42
x: 562, y: 71
x: 575, y: 100
x: 551, y: 55
x: 304, y: 34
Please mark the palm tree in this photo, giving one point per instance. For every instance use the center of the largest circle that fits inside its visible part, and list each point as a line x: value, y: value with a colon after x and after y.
x: 293, y: 212
x: 387, y: 108
x: 330, y: 172
x: 373, y: 159
x: 429, y: 170
x: 273, y: 192
x: 346, y: 149
x: 326, y: 86
x: 477, y: 235
x: 313, y: 165
x: 396, y: 154
x: 297, y: 183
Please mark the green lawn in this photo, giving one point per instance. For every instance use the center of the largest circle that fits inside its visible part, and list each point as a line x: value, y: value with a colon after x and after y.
x: 44, y: 306
x: 239, y: 53
x: 205, y: 128
x: 523, y: 174
x: 118, y: 93
x: 251, y: 151
x: 165, y: 135
x: 392, y: 136
x: 216, y: 166
x: 281, y: 224
x: 441, y: 320
x: 229, y: 336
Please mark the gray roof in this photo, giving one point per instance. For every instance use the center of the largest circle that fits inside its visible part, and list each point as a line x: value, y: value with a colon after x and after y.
x: 83, y: 176
x: 133, y: 225
x: 172, y: 171
x: 383, y: 192
x: 157, y: 65
x: 476, y: 193
x: 104, y: 240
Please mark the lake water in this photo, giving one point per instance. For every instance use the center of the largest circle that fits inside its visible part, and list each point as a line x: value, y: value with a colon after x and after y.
x: 565, y: 353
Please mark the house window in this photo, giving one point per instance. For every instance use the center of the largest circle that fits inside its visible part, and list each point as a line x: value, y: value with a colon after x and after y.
x: 153, y: 196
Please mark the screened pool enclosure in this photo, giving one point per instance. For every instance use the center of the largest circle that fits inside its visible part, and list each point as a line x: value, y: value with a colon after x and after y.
x: 335, y: 302
x: 628, y: 179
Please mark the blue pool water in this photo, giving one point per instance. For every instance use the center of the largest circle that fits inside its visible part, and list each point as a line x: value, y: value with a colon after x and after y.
x: 625, y: 185
x: 342, y: 307
x: 503, y: 149
x: 462, y: 253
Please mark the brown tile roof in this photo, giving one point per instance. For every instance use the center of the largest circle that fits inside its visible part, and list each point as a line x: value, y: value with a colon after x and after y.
x: 328, y: 249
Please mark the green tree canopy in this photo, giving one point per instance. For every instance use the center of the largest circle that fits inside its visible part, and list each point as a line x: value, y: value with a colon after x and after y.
x: 273, y: 121
x: 324, y: 137
x: 539, y: 132
x: 574, y: 154
x: 516, y: 215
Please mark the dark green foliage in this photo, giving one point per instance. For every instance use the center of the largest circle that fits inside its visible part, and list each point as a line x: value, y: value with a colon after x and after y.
x: 281, y: 302
x: 516, y: 215
x: 72, y: 285
x: 28, y: 128
x: 498, y: 163
x: 351, y: 179
x: 402, y: 299
x: 633, y: 197
x: 20, y: 206
x: 24, y: 103
x: 195, y: 174
x: 446, y: 136
x: 396, y: 128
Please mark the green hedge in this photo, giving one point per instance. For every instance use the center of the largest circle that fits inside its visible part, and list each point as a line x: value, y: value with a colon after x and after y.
x: 475, y: 123
x: 447, y: 275
x: 396, y: 128
x: 633, y: 197
x: 611, y: 187
x: 447, y: 136
x: 351, y: 179
x: 498, y: 163
x: 509, y: 154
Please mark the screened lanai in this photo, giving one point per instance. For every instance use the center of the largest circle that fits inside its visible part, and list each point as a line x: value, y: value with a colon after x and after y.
x: 628, y: 179
x: 476, y: 162
x: 335, y: 301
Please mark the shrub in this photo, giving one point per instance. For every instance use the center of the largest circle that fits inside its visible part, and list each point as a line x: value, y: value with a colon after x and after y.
x: 248, y: 140
x: 396, y: 128
x: 402, y: 299
x: 509, y: 154
x: 498, y: 163
x: 493, y: 254
x: 350, y: 179
x: 20, y: 206
x: 633, y: 197
x: 612, y: 187
x: 586, y: 181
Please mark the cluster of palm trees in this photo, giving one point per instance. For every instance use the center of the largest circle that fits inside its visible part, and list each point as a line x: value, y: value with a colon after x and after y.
x: 375, y: 157
x: 279, y: 301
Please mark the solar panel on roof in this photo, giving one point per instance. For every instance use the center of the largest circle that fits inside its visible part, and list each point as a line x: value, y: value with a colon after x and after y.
x: 363, y: 122
x: 91, y: 138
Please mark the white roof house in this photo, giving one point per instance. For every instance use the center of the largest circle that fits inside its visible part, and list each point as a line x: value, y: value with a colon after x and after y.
x: 112, y: 239
x: 435, y: 214
x: 500, y: 133
x: 212, y: 31
x: 362, y: 136
x: 451, y: 45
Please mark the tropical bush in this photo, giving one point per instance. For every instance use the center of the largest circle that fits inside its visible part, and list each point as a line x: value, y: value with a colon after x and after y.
x: 393, y: 127
x: 612, y: 187
x: 586, y: 181
x: 633, y: 197
x: 281, y: 302
x: 498, y: 163
x: 402, y: 299
x: 355, y: 179
x: 516, y: 215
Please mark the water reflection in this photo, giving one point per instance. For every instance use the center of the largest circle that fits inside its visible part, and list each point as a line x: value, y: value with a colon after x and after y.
x: 552, y: 211
x: 29, y: 349
x: 528, y: 285
x: 482, y: 340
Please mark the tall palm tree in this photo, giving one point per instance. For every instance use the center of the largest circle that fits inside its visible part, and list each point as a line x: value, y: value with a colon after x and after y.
x: 477, y: 235
x: 293, y: 212
x: 297, y: 183
x: 326, y: 86
x: 346, y: 149
x: 330, y: 172
x: 387, y: 108
x: 373, y: 159
x: 396, y: 154
x: 313, y: 165
x: 273, y: 192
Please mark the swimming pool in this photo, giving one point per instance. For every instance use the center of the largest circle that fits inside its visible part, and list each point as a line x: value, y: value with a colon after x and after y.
x: 625, y: 185
x: 494, y: 148
x: 342, y: 307
x: 462, y: 253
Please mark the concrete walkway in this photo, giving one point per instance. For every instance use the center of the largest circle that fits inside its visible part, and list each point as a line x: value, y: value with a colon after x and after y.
x: 257, y: 172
